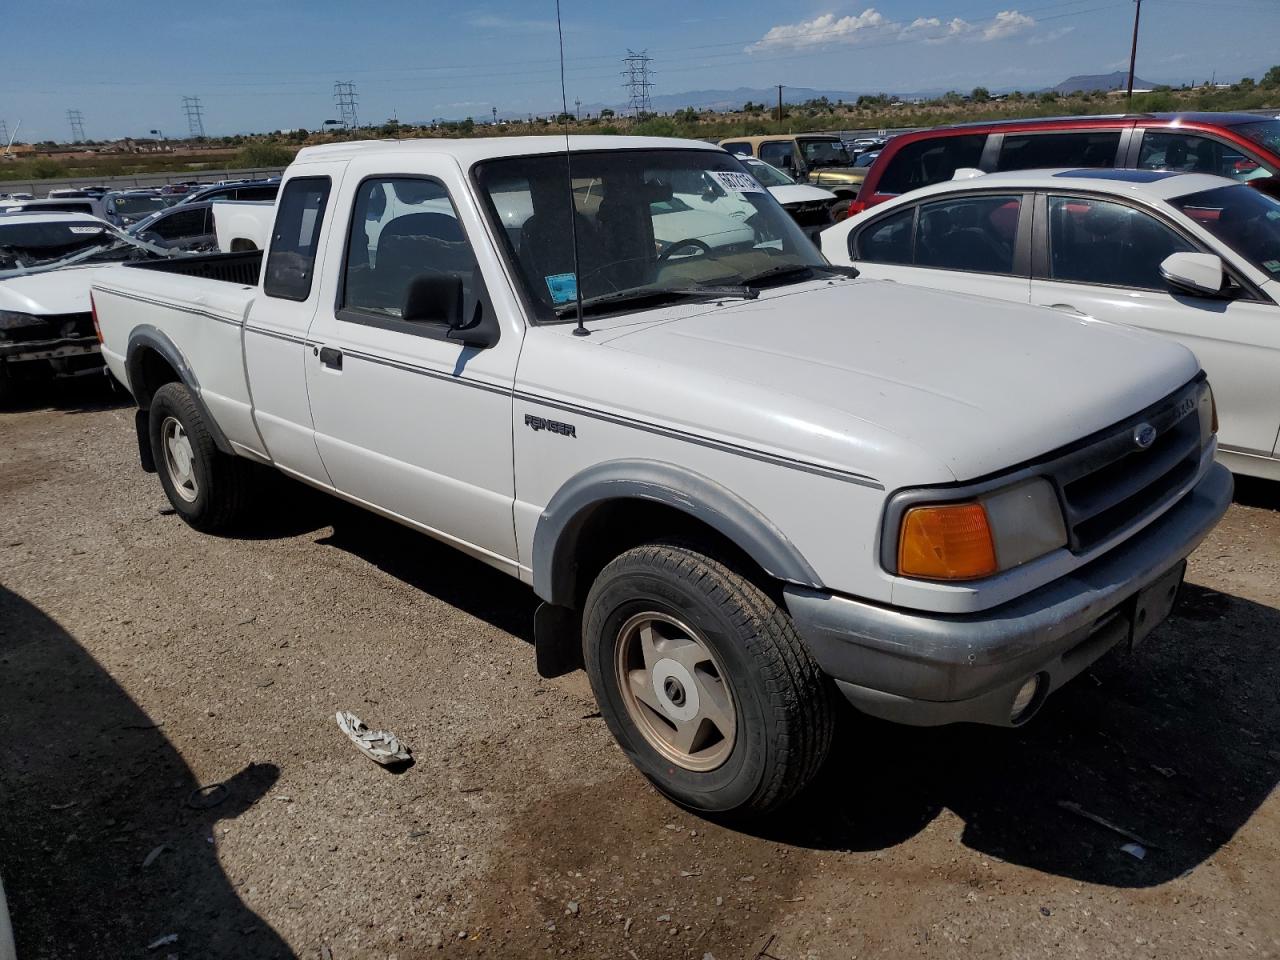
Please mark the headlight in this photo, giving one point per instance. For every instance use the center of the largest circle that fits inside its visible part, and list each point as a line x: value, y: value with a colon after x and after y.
x: 976, y: 538
x: 9, y: 320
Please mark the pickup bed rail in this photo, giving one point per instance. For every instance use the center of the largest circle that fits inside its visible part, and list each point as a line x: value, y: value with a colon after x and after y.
x: 241, y: 268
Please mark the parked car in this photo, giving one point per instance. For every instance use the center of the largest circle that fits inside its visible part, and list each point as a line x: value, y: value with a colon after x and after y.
x: 811, y: 207
x: 175, y: 190
x: 69, y: 193
x: 46, y: 264
x: 187, y: 227
x: 7, y: 949
x: 1193, y: 256
x: 1241, y: 146
x: 738, y: 478
x: 239, y: 190
x: 91, y: 206
x: 813, y: 158
x: 17, y: 196
x: 126, y: 207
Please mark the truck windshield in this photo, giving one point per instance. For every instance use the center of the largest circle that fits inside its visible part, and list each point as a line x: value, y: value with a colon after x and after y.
x: 647, y: 221
x: 1246, y: 220
x: 1265, y: 133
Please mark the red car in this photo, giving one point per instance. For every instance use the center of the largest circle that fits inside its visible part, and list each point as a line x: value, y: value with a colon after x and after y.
x: 1241, y: 146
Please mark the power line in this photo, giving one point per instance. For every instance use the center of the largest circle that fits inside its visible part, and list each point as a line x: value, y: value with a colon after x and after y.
x: 637, y: 83
x: 345, y: 98
x: 195, y: 116
x: 76, y: 119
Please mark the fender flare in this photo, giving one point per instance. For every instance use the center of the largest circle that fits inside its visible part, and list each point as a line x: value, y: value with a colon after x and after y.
x: 147, y: 337
x: 555, y: 539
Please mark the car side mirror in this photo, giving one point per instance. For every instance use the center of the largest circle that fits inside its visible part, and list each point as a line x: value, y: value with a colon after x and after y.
x: 438, y: 298
x: 1199, y: 274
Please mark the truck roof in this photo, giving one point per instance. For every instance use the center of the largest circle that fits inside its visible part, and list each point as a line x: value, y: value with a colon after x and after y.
x: 473, y: 150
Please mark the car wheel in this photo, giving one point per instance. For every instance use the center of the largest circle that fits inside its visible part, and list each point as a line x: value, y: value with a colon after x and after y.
x: 207, y: 488
x: 704, y: 682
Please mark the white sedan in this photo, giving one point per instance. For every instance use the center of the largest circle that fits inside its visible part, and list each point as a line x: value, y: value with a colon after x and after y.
x: 1192, y: 256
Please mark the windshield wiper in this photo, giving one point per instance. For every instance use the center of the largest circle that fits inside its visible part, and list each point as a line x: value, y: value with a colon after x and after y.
x: 641, y: 294
x: 789, y: 269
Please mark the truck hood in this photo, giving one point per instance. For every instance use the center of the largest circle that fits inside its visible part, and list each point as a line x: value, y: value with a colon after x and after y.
x: 875, y: 377
x: 52, y: 292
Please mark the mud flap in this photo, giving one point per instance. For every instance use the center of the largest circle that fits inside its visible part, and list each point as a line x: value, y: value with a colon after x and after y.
x: 142, y: 424
x: 557, y: 640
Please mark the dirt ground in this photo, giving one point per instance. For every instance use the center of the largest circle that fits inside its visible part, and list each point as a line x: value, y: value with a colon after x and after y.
x: 140, y: 661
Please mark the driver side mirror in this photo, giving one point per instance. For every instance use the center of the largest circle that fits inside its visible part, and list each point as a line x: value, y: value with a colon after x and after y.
x: 1199, y: 274
x: 438, y: 298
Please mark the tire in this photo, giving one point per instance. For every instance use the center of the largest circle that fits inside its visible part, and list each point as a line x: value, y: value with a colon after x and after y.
x: 212, y: 493
x: 779, y: 705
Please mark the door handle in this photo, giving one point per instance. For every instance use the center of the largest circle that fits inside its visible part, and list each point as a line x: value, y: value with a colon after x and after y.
x: 331, y: 358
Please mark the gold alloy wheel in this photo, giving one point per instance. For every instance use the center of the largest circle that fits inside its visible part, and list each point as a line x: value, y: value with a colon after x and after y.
x: 675, y: 691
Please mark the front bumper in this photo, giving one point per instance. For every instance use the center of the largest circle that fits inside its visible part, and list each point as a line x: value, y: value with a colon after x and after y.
x: 928, y: 669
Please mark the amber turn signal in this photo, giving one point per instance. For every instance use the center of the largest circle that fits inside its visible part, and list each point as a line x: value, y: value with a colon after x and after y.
x: 948, y: 542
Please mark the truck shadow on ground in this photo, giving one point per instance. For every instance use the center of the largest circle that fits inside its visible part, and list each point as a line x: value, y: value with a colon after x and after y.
x: 1175, y: 743
x: 90, y: 787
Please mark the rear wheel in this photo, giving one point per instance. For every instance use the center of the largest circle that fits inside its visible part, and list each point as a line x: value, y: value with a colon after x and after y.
x: 703, y: 681
x: 207, y: 488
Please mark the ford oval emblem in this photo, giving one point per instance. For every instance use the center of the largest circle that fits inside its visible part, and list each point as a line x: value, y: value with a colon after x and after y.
x: 1144, y: 435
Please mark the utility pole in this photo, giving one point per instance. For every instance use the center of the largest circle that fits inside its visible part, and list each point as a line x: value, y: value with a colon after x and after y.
x: 1133, y: 51
x: 779, y: 103
x: 344, y: 95
x: 76, y: 119
x: 637, y: 82
x: 195, y: 116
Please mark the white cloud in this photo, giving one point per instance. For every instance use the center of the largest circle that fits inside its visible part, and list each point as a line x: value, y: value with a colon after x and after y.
x: 1051, y: 36
x: 828, y: 28
x: 822, y: 29
x: 1008, y: 23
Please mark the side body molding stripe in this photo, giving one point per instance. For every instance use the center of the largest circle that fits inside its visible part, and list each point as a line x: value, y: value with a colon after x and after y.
x: 555, y: 540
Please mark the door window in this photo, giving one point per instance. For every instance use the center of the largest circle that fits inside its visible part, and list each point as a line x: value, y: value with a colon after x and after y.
x: 402, y: 229
x: 778, y: 154
x: 739, y: 149
x: 1107, y: 243
x: 885, y: 241
x: 1190, y: 153
x: 180, y: 225
x: 975, y: 234
x: 295, y: 237
x: 930, y: 161
x: 1088, y: 148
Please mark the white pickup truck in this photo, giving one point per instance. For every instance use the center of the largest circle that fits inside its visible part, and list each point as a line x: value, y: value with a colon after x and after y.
x: 740, y: 479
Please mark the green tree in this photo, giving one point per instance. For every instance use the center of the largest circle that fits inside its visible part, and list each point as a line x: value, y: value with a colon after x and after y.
x: 980, y: 95
x: 264, y: 154
x: 1272, y: 77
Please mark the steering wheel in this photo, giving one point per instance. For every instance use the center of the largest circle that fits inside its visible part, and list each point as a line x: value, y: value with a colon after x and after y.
x: 692, y: 243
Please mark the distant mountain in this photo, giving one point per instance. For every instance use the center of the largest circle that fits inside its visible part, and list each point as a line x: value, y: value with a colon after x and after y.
x: 1106, y: 82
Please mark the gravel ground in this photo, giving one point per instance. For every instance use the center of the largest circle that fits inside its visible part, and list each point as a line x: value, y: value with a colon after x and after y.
x: 141, y: 661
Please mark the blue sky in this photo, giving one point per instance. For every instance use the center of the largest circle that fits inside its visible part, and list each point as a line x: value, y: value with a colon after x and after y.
x: 266, y: 65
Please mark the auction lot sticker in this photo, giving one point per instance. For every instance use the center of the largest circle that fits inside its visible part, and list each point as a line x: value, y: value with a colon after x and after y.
x: 736, y: 182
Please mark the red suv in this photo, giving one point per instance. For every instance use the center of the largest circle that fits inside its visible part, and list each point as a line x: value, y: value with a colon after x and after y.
x: 1241, y: 146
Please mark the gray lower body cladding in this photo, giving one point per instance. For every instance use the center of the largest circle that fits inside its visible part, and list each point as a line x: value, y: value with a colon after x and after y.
x: 928, y: 669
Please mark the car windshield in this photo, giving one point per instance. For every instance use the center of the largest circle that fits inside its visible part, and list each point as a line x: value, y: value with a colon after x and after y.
x: 866, y: 159
x: 769, y: 176
x: 649, y: 224
x: 34, y: 247
x: 134, y: 206
x: 825, y: 153
x: 1265, y: 133
x: 1246, y: 220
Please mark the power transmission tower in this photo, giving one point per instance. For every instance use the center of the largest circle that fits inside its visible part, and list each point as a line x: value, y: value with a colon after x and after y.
x: 637, y: 82
x: 195, y: 116
x: 76, y: 119
x: 4, y: 132
x: 344, y: 96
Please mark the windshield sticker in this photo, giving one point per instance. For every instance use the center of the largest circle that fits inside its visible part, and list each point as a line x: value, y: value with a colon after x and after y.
x: 563, y: 287
x: 736, y: 182
x: 86, y: 229
x: 1272, y: 265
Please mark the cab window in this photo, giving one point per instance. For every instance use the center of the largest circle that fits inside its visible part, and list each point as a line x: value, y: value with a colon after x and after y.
x: 738, y: 149
x: 295, y: 238
x: 1109, y: 244
x: 778, y: 153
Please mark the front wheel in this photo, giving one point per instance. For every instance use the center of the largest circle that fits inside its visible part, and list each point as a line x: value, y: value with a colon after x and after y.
x: 703, y: 681
x: 207, y: 488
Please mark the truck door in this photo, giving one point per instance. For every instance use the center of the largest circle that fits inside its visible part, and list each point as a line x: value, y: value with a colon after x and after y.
x: 275, y: 332
x: 407, y: 420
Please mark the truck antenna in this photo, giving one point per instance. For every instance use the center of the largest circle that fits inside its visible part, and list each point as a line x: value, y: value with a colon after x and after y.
x: 579, y: 330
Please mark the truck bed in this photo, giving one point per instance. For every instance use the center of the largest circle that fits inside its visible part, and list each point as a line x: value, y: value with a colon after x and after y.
x: 239, y: 268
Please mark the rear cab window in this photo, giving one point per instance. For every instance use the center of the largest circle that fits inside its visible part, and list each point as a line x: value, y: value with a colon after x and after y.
x: 739, y: 149
x: 291, y: 259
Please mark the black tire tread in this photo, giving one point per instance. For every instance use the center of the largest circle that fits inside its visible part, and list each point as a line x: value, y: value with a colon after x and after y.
x: 799, y: 694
